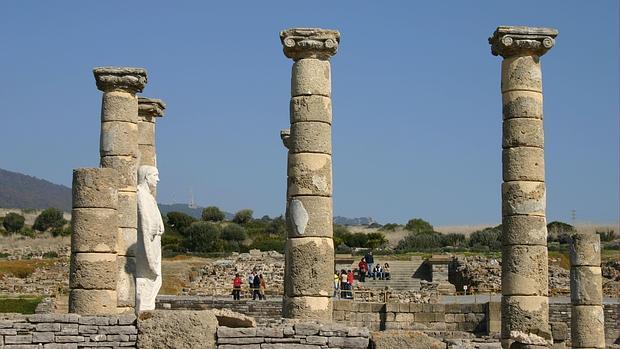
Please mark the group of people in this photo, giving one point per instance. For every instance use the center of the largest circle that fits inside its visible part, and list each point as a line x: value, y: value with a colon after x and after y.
x: 368, y: 268
x: 257, y: 285
x: 343, y: 284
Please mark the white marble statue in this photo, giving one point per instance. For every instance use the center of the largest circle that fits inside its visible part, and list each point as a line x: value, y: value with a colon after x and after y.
x: 148, y: 249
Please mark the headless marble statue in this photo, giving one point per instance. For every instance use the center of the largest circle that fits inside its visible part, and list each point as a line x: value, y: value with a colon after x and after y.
x: 148, y: 251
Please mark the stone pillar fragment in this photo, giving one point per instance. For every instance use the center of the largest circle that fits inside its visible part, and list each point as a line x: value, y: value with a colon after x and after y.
x: 525, y: 304
x: 586, y: 291
x: 119, y: 150
x: 148, y: 110
x: 309, y: 249
x: 94, y: 221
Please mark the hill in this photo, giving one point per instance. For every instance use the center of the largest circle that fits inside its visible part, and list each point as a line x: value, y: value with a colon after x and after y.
x: 22, y: 191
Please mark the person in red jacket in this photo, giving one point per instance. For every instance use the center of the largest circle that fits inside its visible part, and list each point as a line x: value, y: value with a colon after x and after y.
x: 236, y: 287
x: 363, y: 269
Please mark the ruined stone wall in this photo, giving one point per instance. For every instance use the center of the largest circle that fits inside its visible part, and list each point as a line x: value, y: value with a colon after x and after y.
x: 55, y: 331
x: 561, y: 312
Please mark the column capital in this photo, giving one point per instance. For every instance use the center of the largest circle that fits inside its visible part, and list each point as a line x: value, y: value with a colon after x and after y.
x: 150, y: 107
x: 508, y: 41
x: 309, y: 43
x: 125, y: 79
x: 285, y: 136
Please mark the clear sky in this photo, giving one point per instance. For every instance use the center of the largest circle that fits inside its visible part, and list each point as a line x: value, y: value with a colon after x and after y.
x: 417, y: 106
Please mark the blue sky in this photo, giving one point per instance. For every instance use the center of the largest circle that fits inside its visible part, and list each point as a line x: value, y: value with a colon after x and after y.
x: 417, y: 107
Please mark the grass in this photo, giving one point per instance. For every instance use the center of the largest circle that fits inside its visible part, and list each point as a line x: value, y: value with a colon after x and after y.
x: 21, y: 304
x: 22, y: 268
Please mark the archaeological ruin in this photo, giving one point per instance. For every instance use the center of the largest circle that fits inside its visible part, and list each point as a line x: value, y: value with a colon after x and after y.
x: 303, y: 312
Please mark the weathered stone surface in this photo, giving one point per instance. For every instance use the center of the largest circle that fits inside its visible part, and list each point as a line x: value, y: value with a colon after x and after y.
x: 94, y: 229
x: 391, y: 339
x: 311, y: 137
x: 586, y: 285
x: 348, y: 342
x: 524, y: 270
x: 229, y: 318
x: 526, y: 314
x: 127, y: 209
x: 126, y: 79
x: 307, y: 307
x: 119, y: 138
x: 95, y: 188
x: 508, y: 41
x: 309, y: 266
x: 523, y: 132
x: 521, y: 73
x: 126, y: 283
x: 311, y: 108
x: 93, y: 271
x: 150, y: 107
x: 587, y: 326
x: 522, y: 104
x: 92, y: 302
x: 119, y: 106
x: 126, y: 242
x: 523, y: 164
x: 147, y: 155
x: 302, y: 43
x: 319, y: 211
x: 146, y: 131
x: 585, y: 249
x: 559, y: 331
x: 311, y: 76
x: 177, y: 329
x: 229, y: 332
x: 524, y: 230
x: 523, y: 198
x: 309, y: 174
x: 127, y: 169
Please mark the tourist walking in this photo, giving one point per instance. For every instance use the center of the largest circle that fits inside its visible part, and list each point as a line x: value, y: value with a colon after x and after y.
x: 263, y: 287
x: 236, y: 287
x: 363, y: 269
x: 369, y: 261
x: 256, y: 287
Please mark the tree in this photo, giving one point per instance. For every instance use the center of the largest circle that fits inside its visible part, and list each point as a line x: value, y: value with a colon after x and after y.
x: 179, y: 221
x: 234, y: 232
x: 243, y: 216
x: 559, y: 231
x: 489, y: 238
x: 49, y: 218
x: 212, y: 214
x: 13, y: 222
x: 203, y: 237
x: 418, y: 225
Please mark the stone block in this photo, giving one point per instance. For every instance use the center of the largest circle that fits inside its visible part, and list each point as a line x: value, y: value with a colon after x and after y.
x: 93, y: 271
x: 585, y: 249
x: 118, y: 138
x: 348, y: 342
x: 524, y: 230
x: 92, y: 301
x: 69, y: 339
x: 47, y: 327
x: 94, y: 230
x: 309, y: 174
x: 119, y: 106
x: 126, y: 282
x: 272, y: 332
x: 391, y: 339
x: 307, y: 328
x: 404, y: 317
x: 307, y: 307
x: 178, y: 329
x: 236, y: 346
x: 127, y: 209
x: 587, y: 326
x: 522, y: 104
x: 316, y: 340
x: 525, y: 314
x: 521, y: 73
x: 524, y: 270
x: 523, y: 164
x: 147, y: 155
x: 424, y: 317
x: 311, y: 76
x: 19, y: 339
x: 126, y: 241
x: 311, y: 137
x: 342, y: 305
x: 42, y: 337
x: 392, y: 307
x: 234, y: 332
x: 309, y: 216
x: 586, y: 285
x: 146, y: 132
x: 69, y: 329
x: 309, y: 266
x: 559, y: 331
x: 311, y: 108
x: 127, y: 168
x: 523, y: 198
x: 523, y: 132
x: 95, y: 188
x: 416, y: 307
x: 240, y: 341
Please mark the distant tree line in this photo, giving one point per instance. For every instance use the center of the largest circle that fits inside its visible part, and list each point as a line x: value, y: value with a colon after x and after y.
x: 49, y: 220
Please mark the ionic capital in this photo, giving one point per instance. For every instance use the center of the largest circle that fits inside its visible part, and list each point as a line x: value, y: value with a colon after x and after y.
x: 124, y: 79
x: 508, y: 41
x: 309, y: 43
x: 150, y: 107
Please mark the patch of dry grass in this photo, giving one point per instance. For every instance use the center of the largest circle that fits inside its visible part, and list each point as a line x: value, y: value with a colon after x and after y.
x: 178, y: 271
x: 23, y: 268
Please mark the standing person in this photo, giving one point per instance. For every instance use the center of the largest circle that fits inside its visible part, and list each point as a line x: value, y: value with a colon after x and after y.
x: 256, y: 287
x: 263, y: 287
x: 237, y: 287
x: 370, y: 261
x: 363, y: 269
x: 386, y: 270
x: 350, y: 279
x: 336, y: 284
x: 343, y: 283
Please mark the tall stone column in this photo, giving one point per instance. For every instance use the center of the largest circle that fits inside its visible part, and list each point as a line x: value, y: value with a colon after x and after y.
x: 525, y: 303
x: 119, y: 150
x: 309, y: 248
x: 586, y: 291
x: 94, y: 222
x: 148, y: 110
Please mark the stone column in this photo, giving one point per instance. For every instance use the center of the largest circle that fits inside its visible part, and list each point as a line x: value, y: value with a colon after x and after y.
x: 586, y: 292
x: 309, y: 248
x: 525, y: 303
x: 94, y: 221
x: 148, y: 110
x: 119, y: 150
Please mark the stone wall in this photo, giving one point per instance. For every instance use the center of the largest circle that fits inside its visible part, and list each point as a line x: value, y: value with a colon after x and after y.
x: 60, y: 331
x: 306, y: 335
x: 561, y: 312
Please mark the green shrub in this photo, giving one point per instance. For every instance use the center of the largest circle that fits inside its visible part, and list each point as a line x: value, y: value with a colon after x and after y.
x: 389, y: 227
x: 27, y: 232
x: 13, y: 222
x: 49, y: 218
x: 268, y: 244
x: 212, y: 214
x: 243, y: 216
x: 203, y: 237
x: 487, y: 239
x: 606, y: 236
x: 418, y: 225
x: 420, y: 241
x: 179, y: 221
x: 234, y: 232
